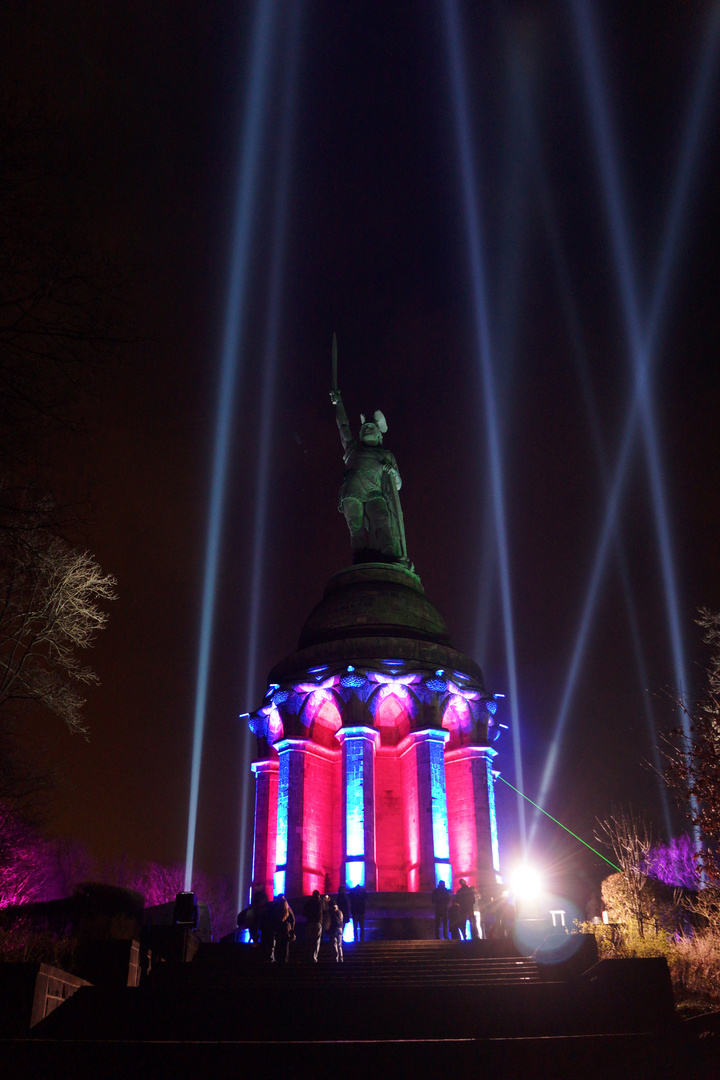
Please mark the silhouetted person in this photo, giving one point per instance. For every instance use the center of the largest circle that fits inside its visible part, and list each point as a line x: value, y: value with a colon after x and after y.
x: 454, y: 920
x: 282, y: 924
x: 313, y: 912
x: 342, y: 903
x: 441, y: 897
x: 358, y: 900
x: 336, y: 931
x: 466, y: 898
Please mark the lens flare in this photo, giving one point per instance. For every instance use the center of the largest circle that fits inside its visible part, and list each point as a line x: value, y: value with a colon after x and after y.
x: 525, y: 883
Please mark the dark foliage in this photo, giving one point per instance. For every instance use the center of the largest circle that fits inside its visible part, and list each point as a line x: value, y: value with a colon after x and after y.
x: 693, y: 759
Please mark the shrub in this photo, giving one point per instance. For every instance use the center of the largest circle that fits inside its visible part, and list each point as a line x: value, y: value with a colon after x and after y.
x: 23, y: 942
x: 696, y: 971
x: 694, y: 961
x: 663, y: 907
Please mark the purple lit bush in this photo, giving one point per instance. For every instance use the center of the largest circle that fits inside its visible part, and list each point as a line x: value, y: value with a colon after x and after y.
x: 674, y: 863
x: 34, y: 868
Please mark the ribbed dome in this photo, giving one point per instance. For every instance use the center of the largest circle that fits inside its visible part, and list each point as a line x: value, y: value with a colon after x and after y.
x: 373, y: 600
x: 370, y: 613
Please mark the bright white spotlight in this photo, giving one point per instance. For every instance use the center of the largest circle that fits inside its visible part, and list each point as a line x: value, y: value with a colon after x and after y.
x: 525, y: 883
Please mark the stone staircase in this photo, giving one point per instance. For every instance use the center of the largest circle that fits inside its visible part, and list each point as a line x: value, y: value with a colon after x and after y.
x: 393, y: 1007
x: 368, y: 964
x: 383, y: 990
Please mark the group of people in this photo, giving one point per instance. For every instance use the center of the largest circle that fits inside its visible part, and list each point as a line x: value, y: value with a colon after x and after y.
x: 456, y: 912
x: 322, y: 913
x: 271, y: 923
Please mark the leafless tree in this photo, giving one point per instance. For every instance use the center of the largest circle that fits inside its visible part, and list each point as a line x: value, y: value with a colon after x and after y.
x: 629, y: 837
x: 28, y: 869
x: 706, y: 905
x: 49, y: 613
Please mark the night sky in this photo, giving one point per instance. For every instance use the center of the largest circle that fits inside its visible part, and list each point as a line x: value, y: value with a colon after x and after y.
x: 148, y: 101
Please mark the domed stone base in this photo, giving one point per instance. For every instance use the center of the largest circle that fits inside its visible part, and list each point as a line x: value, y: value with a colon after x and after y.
x: 369, y: 613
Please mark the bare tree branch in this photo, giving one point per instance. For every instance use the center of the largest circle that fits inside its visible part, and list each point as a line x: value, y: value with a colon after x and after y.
x: 50, y: 610
x: 629, y: 837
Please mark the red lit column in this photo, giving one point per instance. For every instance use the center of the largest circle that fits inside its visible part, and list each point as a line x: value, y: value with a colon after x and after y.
x: 471, y: 814
x: 265, y: 836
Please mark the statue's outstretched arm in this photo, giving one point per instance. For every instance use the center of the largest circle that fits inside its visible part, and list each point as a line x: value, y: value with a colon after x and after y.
x: 341, y: 419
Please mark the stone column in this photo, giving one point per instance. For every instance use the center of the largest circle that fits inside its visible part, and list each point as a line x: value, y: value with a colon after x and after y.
x: 358, y: 803
x: 265, y: 834
x: 473, y: 825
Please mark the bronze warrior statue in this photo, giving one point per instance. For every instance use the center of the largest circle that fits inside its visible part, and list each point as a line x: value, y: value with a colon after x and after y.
x: 369, y: 493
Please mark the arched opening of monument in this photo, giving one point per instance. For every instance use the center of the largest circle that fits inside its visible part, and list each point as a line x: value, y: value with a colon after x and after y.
x: 458, y: 721
x: 392, y: 719
x: 323, y: 718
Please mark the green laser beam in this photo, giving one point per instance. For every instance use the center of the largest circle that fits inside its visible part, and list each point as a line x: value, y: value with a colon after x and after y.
x: 588, y: 846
